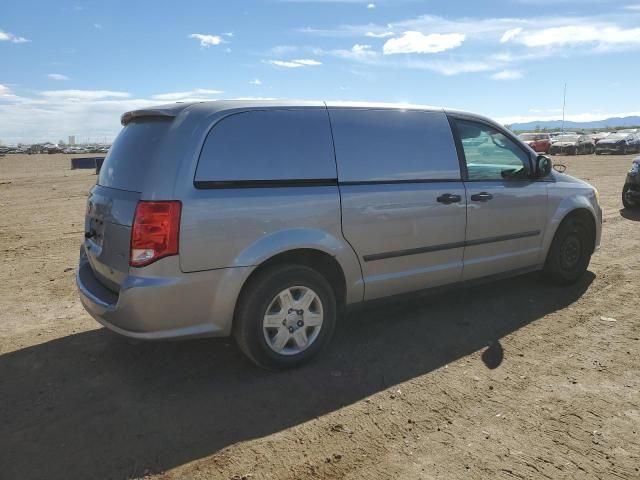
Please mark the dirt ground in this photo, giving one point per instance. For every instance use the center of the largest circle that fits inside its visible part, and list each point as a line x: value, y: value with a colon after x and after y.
x: 515, y: 379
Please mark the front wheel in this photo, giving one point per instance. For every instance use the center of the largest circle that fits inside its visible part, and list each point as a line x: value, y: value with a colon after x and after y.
x: 285, y: 316
x: 570, y: 252
x: 627, y: 201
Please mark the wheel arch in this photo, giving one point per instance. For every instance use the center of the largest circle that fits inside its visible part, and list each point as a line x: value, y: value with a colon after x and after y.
x: 322, y: 262
x: 583, y: 213
x: 306, y: 246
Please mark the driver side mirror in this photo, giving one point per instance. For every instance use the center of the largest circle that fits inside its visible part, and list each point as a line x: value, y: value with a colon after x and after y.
x: 543, y: 166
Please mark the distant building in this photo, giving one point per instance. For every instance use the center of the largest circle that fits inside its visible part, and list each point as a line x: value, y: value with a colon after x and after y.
x: 72, y: 140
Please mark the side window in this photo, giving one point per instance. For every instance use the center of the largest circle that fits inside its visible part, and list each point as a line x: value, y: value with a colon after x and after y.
x: 393, y: 145
x: 269, y: 145
x: 490, y: 155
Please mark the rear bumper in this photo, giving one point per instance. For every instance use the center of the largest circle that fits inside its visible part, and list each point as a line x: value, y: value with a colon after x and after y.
x: 558, y: 150
x: 199, y: 304
x: 609, y: 148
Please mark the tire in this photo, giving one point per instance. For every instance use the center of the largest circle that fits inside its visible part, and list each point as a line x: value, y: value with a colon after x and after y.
x: 624, y: 150
x: 264, y: 294
x: 570, y: 252
x: 575, y: 151
x: 627, y: 202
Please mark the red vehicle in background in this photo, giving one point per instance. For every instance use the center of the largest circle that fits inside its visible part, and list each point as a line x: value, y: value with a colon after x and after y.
x: 540, y: 142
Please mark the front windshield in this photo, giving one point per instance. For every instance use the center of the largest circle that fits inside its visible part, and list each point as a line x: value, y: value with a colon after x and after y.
x: 567, y: 138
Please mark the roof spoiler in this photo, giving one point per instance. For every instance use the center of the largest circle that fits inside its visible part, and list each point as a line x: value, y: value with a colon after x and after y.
x: 146, y: 112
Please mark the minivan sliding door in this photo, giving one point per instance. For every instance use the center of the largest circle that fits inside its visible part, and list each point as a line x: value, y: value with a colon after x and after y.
x: 403, y: 201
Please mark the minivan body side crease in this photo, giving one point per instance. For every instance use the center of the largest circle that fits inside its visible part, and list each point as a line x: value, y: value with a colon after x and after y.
x: 435, y: 248
x: 260, y: 219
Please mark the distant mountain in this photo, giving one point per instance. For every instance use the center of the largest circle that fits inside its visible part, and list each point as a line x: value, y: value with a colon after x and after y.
x: 557, y: 124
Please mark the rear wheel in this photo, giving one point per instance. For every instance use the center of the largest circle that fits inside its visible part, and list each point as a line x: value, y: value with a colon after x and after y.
x: 285, y: 316
x: 627, y: 201
x: 570, y: 252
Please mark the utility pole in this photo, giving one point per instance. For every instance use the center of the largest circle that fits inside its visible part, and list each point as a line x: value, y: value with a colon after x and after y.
x: 564, y: 103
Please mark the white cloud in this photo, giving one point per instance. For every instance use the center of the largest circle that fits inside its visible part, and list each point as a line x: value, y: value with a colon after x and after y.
x: 207, y: 40
x: 255, y: 81
x: 379, y: 35
x: 79, y: 95
x: 48, y: 119
x: 507, y: 75
x: 451, y: 67
x: 572, y: 35
x: 359, y: 52
x: 371, y: 6
x: 417, y: 42
x: 6, y: 94
x: 303, y: 62
x: 10, y: 37
x: 57, y: 76
x: 510, y: 34
x: 97, y: 25
x: 197, y: 93
x: 308, y: 62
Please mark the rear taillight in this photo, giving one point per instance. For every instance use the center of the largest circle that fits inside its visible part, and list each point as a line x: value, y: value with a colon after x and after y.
x: 155, y: 232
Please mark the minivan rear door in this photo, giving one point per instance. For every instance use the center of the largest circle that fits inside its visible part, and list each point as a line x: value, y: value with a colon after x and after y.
x: 112, y: 201
x: 403, y: 201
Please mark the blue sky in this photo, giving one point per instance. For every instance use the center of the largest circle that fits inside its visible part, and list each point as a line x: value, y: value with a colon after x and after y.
x: 72, y: 67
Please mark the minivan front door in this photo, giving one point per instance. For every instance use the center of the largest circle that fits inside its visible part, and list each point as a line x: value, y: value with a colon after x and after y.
x: 403, y: 200
x: 506, y: 209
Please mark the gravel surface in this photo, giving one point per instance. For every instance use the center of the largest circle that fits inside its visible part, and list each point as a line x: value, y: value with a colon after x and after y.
x: 514, y: 379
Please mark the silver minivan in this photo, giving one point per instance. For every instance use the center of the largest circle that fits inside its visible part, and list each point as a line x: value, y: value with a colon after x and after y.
x: 262, y: 220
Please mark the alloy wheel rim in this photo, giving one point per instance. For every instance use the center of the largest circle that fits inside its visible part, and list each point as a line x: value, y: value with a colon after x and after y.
x: 293, y: 320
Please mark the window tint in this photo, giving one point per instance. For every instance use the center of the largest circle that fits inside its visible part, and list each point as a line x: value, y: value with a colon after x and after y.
x: 490, y: 155
x: 393, y: 145
x: 269, y: 145
x: 131, y: 156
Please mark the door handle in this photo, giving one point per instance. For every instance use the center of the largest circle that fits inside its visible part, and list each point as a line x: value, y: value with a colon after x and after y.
x: 448, y: 198
x: 481, y: 197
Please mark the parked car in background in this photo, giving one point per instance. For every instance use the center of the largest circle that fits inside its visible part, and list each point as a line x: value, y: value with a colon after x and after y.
x: 572, y: 144
x: 596, y: 137
x: 540, y: 142
x: 622, y: 143
x: 630, y: 130
x: 631, y: 189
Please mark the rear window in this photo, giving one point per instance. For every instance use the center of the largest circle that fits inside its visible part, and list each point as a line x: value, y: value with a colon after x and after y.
x: 130, y: 157
x: 382, y: 145
x: 268, y: 145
